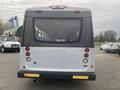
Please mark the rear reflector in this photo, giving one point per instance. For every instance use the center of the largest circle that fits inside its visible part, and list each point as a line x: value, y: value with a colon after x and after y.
x: 85, y: 60
x: 31, y: 75
x: 80, y: 77
x: 28, y: 59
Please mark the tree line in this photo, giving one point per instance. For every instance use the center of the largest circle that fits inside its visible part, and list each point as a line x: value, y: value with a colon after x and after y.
x: 109, y: 36
x: 4, y: 26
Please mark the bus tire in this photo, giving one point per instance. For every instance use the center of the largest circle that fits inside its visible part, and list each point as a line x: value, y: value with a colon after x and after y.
x: 18, y: 50
x: 107, y: 51
x: 118, y: 53
x: 3, y: 49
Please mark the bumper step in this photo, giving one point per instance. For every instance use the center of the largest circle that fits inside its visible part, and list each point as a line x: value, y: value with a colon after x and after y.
x: 57, y: 75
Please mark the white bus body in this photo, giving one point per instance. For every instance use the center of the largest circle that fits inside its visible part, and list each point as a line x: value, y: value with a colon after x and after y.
x: 57, y: 42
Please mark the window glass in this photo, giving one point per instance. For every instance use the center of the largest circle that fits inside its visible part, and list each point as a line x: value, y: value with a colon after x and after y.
x: 57, y: 30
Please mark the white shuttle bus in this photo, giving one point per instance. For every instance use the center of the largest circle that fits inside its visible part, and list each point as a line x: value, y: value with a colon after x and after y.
x: 57, y: 42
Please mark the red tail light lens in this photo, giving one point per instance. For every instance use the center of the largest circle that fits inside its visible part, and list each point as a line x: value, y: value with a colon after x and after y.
x: 27, y: 49
x: 27, y: 53
x: 87, y: 50
x: 86, y: 55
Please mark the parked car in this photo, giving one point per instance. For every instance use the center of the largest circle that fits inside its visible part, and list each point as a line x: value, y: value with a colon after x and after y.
x: 112, y: 48
x: 104, y: 46
x: 9, y: 43
x: 118, y: 49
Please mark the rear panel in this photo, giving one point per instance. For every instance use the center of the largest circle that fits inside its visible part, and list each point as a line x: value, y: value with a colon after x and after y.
x: 57, y: 59
x: 58, y: 56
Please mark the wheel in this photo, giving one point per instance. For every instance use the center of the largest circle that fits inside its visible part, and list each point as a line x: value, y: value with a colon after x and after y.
x: 100, y: 48
x: 119, y: 53
x: 115, y: 51
x: 107, y: 51
x: 18, y: 50
x: 110, y: 51
x: 2, y: 49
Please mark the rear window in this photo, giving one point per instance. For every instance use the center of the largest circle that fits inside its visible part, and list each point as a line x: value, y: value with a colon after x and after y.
x: 57, y: 30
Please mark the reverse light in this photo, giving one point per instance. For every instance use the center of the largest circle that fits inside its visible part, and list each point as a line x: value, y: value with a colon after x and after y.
x: 85, y: 60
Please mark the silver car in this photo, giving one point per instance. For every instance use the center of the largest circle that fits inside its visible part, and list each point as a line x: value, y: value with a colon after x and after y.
x: 9, y: 43
x: 112, y: 48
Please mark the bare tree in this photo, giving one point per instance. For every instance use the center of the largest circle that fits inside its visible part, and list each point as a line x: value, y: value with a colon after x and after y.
x: 106, y: 36
x: 119, y: 39
x: 1, y: 27
x: 5, y: 26
x: 100, y: 37
x: 110, y: 36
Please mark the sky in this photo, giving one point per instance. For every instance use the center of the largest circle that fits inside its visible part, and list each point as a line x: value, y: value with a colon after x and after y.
x: 105, y: 13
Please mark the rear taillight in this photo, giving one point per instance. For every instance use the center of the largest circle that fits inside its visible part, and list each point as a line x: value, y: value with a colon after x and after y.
x: 87, y: 50
x: 27, y: 49
x: 86, y: 55
x: 27, y: 53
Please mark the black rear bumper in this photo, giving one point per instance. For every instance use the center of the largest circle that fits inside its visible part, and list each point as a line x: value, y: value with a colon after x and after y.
x: 57, y: 75
x: 12, y: 49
